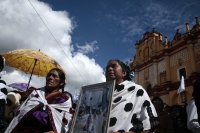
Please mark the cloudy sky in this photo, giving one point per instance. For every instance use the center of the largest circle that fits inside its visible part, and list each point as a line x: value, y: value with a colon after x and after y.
x: 82, y: 36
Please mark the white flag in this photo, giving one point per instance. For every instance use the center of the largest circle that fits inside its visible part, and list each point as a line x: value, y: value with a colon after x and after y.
x: 182, y: 85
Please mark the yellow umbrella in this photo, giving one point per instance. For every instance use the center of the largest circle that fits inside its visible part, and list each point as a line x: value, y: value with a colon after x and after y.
x: 30, y: 61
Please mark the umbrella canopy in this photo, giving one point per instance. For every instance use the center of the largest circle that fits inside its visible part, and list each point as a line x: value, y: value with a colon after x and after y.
x: 30, y: 61
x: 22, y: 87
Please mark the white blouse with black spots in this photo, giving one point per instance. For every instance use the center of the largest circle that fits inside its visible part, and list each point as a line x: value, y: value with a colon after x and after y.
x: 132, y: 109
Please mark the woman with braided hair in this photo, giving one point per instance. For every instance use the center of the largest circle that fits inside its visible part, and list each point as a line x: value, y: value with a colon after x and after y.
x: 132, y: 110
x: 193, y: 109
x: 46, y: 110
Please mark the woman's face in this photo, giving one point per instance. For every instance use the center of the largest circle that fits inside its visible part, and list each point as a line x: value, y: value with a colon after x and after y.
x: 53, y: 80
x: 157, y: 104
x: 114, y: 72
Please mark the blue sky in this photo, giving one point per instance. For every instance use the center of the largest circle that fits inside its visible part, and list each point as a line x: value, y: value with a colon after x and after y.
x: 115, y: 26
x: 88, y: 33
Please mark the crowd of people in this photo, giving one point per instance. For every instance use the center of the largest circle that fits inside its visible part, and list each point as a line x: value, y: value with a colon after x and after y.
x: 50, y: 109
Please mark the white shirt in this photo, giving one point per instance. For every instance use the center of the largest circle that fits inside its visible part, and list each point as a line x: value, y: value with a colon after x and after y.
x: 192, y: 121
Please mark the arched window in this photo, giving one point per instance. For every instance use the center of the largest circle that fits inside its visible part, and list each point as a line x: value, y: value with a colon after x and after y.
x: 181, y: 72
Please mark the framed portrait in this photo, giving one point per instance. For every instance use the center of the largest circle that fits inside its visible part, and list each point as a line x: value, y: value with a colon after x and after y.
x: 93, y: 108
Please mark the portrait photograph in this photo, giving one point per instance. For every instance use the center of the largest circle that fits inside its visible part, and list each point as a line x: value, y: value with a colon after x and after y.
x: 93, y: 108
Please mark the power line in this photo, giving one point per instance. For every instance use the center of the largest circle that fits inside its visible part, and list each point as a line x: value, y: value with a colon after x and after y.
x: 56, y: 40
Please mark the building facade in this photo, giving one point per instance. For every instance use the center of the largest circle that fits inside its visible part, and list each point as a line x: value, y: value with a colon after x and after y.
x: 159, y: 64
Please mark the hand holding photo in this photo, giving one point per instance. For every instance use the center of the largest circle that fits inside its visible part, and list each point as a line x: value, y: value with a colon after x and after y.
x: 93, y: 111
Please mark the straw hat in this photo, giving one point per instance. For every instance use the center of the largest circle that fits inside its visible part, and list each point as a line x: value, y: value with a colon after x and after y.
x: 14, y: 98
x: 13, y: 104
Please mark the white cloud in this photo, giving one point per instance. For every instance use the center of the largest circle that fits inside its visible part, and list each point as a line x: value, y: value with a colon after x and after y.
x: 135, y: 18
x: 88, y: 47
x: 21, y: 27
x: 17, y: 76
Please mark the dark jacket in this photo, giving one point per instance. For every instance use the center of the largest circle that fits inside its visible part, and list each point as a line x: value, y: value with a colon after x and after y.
x: 166, y: 123
x: 180, y: 123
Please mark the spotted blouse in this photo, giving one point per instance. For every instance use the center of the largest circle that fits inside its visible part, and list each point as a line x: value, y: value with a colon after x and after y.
x: 132, y: 109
